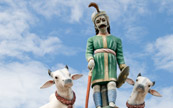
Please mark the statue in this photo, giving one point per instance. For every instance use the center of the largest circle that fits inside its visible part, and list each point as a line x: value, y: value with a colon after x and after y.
x: 64, y: 96
x: 103, y: 53
x: 141, y: 88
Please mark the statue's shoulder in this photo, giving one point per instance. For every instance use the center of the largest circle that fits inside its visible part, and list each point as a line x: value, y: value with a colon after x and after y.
x: 115, y: 37
x: 92, y: 37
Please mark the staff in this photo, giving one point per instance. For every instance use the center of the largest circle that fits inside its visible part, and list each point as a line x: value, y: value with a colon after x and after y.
x: 88, y: 88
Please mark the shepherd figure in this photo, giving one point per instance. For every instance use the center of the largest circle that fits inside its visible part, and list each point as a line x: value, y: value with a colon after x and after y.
x: 103, y: 53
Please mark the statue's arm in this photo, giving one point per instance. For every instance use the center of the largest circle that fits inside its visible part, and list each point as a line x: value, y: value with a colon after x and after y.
x: 89, y: 49
x: 119, y: 55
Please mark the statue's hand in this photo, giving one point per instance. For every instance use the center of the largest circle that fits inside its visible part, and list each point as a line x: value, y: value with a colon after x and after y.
x: 91, y: 64
x: 122, y: 66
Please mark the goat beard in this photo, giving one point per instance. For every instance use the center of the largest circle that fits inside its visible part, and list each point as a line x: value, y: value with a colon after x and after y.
x: 62, y: 87
x: 68, y: 85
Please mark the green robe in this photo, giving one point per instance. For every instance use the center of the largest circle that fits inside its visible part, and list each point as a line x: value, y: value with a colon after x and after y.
x: 105, y: 69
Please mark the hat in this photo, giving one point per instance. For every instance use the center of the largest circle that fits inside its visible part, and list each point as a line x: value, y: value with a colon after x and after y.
x: 98, y: 13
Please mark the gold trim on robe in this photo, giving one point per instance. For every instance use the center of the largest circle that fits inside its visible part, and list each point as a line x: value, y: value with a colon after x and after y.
x: 106, y: 77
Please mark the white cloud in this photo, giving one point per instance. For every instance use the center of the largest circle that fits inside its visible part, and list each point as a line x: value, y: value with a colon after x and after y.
x: 76, y: 13
x: 20, y: 84
x: 135, y: 34
x: 122, y: 96
x: 125, y: 10
x: 60, y: 8
x: 165, y: 6
x: 46, y: 8
x: 136, y: 64
x: 16, y: 40
x: 163, y: 102
x: 30, y: 43
x: 162, y: 52
x: 14, y: 21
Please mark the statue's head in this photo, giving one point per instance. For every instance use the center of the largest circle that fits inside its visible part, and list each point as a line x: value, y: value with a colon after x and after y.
x: 100, y: 19
x: 101, y: 22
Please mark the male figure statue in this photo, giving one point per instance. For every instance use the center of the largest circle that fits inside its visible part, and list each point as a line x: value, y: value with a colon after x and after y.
x: 103, y: 53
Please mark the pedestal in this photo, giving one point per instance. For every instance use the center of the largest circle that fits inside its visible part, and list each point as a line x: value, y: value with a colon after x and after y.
x: 107, y: 107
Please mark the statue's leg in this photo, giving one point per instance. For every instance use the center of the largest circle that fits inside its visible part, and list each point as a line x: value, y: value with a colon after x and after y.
x: 104, y: 95
x: 112, y: 94
x: 97, y: 96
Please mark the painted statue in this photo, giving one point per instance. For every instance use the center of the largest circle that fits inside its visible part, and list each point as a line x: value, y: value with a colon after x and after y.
x: 141, y: 88
x: 103, y: 53
x: 64, y: 96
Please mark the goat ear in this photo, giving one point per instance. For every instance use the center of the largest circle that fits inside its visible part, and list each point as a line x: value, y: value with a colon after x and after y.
x: 139, y: 74
x: 130, y: 81
x: 154, y: 93
x: 47, y: 84
x: 76, y: 76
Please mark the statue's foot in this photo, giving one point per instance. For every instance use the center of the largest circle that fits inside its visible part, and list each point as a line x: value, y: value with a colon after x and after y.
x: 115, y: 107
x: 111, y: 104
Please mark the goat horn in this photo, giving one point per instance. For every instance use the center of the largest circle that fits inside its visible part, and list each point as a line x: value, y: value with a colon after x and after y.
x: 49, y: 72
x: 139, y: 74
x: 66, y: 67
x: 154, y: 83
x: 92, y: 4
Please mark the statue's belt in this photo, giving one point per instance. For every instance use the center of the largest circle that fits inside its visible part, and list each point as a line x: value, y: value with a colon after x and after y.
x: 105, y: 50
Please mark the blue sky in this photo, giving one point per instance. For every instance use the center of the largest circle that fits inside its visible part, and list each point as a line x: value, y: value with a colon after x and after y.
x: 39, y: 35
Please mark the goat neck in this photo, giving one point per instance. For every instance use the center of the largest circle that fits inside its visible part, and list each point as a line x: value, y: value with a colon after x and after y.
x: 64, y: 92
x: 136, y: 98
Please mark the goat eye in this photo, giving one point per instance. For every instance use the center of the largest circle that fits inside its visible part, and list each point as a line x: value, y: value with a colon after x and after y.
x: 56, y: 77
x: 136, y: 79
x: 149, y: 85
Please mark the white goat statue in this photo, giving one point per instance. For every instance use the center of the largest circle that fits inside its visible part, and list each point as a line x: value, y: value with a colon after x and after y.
x: 141, y: 88
x: 64, y: 97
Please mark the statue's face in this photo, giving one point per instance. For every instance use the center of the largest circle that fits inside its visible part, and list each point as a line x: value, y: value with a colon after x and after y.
x: 101, y: 22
